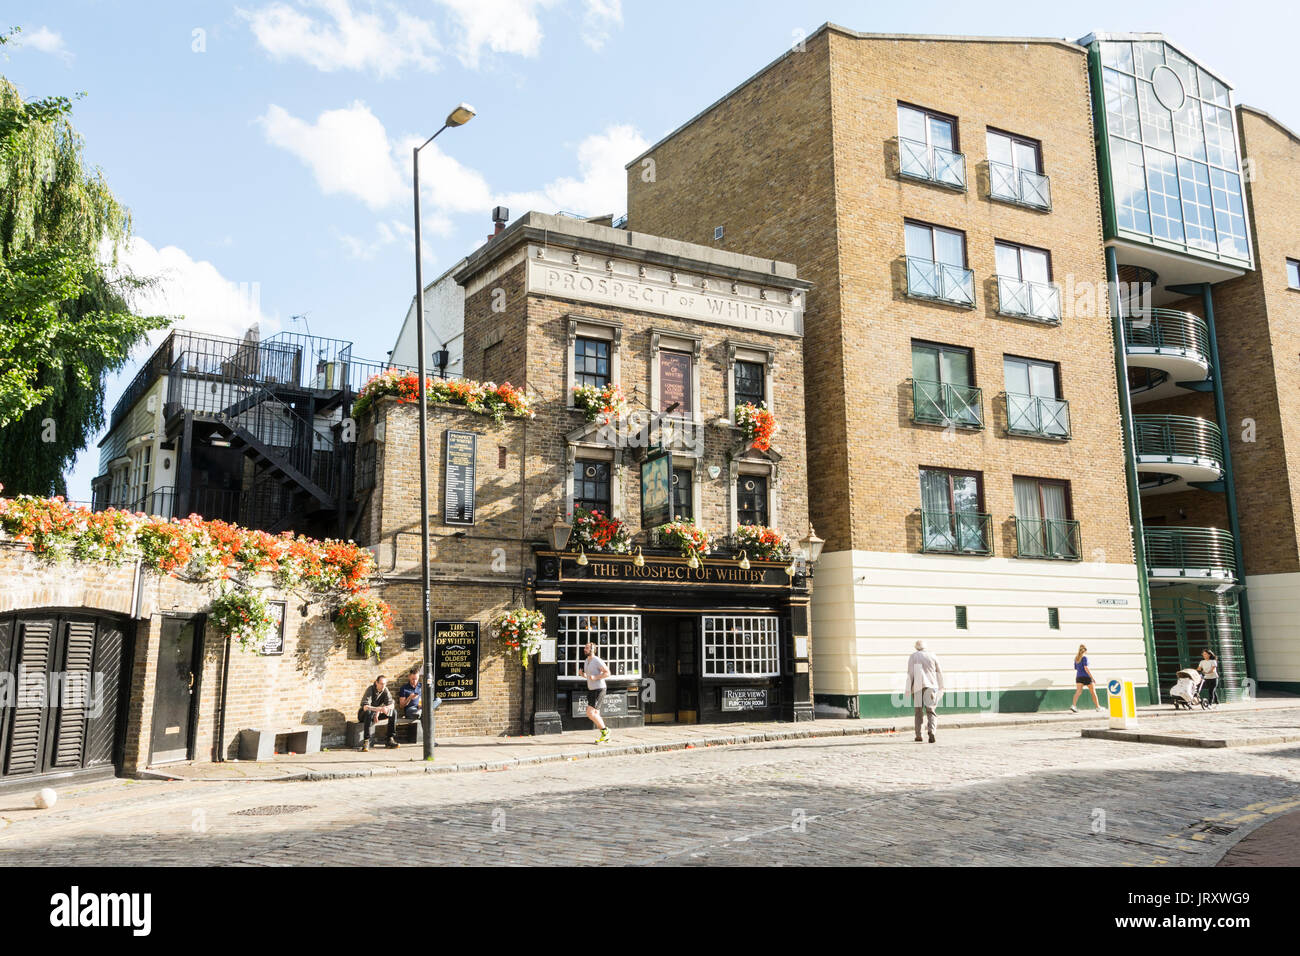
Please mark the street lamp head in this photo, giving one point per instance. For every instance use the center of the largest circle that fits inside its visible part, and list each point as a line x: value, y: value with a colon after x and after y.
x: 460, y: 115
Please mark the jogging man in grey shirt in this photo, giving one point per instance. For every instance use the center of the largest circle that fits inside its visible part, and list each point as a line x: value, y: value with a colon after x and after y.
x: 595, y: 670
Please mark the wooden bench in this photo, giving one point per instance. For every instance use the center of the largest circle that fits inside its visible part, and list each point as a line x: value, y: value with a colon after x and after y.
x: 259, y: 744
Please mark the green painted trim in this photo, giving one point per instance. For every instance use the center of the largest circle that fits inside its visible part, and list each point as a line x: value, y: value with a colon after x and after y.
x: 1130, y: 470
x: 1285, y: 686
x: 1002, y: 701
x: 1101, y: 140
x: 1229, y: 488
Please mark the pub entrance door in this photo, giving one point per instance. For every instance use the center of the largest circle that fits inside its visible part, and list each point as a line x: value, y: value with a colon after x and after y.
x: 671, y: 690
x: 174, y: 697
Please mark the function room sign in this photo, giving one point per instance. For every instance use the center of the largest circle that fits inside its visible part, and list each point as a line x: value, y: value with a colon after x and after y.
x: 458, y: 478
x: 455, y: 660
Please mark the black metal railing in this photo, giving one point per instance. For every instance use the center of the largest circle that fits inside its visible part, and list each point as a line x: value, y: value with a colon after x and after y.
x: 1168, y: 330
x: 1054, y: 538
x: 956, y: 532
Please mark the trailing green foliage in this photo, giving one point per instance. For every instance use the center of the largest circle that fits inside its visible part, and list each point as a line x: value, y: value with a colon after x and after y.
x: 65, y: 321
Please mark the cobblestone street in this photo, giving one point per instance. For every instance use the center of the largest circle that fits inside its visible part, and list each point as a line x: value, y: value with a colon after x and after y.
x: 1031, y: 795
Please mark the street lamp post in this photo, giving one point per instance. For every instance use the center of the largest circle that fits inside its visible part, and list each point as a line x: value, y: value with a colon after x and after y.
x: 461, y: 115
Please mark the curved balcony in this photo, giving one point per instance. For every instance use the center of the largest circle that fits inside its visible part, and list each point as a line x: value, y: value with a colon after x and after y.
x: 1179, y: 554
x: 1173, y: 344
x: 1172, y: 451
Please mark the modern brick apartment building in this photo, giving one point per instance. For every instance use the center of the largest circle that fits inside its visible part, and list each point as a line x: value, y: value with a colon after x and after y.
x: 967, y: 464
x: 688, y: 332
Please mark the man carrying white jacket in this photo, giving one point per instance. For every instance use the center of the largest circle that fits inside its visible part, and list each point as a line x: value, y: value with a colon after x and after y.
x: 925, y: 687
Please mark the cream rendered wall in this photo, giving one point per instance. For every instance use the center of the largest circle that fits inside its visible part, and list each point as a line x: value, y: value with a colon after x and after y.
x: 1275, y: 626
x: 869, y: 608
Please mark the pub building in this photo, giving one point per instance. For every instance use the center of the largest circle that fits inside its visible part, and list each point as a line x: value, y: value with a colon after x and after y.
x: 714, y: 633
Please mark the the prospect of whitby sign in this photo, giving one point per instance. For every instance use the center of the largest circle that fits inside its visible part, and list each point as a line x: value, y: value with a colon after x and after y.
x: 455, y: 660
x: 623, y: 284
x: 658, y: 572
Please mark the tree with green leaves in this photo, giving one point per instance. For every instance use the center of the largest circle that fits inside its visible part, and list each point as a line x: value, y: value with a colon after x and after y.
x: 65, y: 318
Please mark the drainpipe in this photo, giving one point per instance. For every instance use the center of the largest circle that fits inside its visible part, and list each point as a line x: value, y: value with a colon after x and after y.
x: 219, y: 754
x: 1130, y: 473
x: 1229, y: 487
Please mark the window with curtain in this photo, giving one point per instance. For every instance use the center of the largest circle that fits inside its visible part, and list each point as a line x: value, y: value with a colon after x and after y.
x: 951, y: 516
x: 1043, y: 518
x: 751, y: 500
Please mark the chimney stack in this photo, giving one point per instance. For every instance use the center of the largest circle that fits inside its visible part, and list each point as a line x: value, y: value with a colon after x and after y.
x: 500, y: 215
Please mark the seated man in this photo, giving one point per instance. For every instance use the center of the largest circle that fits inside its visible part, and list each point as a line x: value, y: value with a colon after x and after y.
x: 408, y: 697
x: 376, y: 704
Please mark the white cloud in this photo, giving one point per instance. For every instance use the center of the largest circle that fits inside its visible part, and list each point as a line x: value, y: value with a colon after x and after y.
x: 602, y: 187
x: 347, y: 151
x: 379, y: 37
x: 393, y: 232
x: 346, y: 39
x: 45, y: 40
x: 192, y: 291
x: 501, y: 26
x: 599, y: 20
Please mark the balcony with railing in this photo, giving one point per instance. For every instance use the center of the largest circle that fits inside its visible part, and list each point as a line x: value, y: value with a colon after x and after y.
x: 1022, y: 299
x: 939, y: 403
x: 1037, y: 417
x: 1023, y: 187
x: 1168, y: 341
x: 1178, y: 554
x: 956, y: 532
x: 1172, y: 451
x: 933, y: 164
x: 1054, y: 539
x: 940, y: 282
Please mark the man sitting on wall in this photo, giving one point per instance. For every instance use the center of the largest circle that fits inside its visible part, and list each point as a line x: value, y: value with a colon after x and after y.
x: 376, y: 703
x: 408, y: 698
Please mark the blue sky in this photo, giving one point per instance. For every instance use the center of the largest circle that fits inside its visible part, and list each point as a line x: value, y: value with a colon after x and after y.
x: 263, y: 147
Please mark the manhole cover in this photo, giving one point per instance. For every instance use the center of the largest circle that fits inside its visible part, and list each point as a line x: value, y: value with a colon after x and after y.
x: 274, y: 811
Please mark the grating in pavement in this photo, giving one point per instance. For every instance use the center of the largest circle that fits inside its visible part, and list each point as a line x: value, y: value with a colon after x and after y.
x: 274, y: 811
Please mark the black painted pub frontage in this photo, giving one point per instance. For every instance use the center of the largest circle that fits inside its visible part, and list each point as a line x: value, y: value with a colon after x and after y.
x: 713, y: 643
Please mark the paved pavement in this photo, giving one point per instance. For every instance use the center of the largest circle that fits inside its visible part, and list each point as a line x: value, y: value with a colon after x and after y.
x: 458, y: 754
x: 1026, y: 794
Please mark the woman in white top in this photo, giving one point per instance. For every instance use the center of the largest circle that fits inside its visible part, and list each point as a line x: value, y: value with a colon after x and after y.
x: 1209, y: 666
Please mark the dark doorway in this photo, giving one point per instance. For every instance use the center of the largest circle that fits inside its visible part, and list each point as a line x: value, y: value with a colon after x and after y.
x: 64, y: 715
x: 174, y: 692
x: 670, y: 661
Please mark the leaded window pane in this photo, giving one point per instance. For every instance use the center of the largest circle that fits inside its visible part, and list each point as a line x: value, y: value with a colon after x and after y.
x: 591, y: 362
x: 751, y: 500
x: 591, y: 485
x: 751, y: 384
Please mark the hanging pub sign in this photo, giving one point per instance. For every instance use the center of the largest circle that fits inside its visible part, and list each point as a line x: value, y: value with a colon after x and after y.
x: 458, y: 477
x: 455, y: 660
x: 656, y: 490
x: 273, y: 646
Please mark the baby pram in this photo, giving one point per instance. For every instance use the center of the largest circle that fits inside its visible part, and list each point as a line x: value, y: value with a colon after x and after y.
x: 1186, y: 692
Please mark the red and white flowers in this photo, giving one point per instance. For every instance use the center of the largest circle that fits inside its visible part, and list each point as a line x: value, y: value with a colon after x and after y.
x: 685, y: 536
x: 521, y: 629
x: 369, y: 617
x: 607, y: 404
x: 762, y: 543
x: 594, y: 531
x: 243, y: 614
x: 757, y: 424
x: 485, y: 398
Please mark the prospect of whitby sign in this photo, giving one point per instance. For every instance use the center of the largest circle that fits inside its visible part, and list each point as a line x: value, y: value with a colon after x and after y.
x: 659, y: 572
x: 455, y: 660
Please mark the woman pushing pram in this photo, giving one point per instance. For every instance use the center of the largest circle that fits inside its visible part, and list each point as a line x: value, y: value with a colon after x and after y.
x: 1186, y: 690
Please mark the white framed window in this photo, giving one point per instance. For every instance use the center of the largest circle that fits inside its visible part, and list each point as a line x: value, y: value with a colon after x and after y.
x: 750, y: 371
x: 593, y: 355
x: 741, y: 646
x: 617, y: 638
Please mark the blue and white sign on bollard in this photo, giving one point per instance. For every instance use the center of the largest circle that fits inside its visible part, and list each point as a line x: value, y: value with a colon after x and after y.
x: 1123, y: 705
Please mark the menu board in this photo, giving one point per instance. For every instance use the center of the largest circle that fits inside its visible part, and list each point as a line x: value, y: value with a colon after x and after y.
x: 455, y: 660
x: 675, y: 382
x: 458, y: 478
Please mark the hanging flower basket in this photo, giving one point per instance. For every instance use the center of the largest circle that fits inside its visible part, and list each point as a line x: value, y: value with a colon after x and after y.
x: 765, y: 544
x: 606, y: 404
x: 757, y: 424
x: 684, y: 536
x: 244, y: 615
x: 522, y: 630
x: 596, y: 532
x: 369, y: 617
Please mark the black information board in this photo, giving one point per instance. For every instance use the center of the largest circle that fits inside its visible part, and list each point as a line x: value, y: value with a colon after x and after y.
x: 744, y: 698
x: 459, y: 460
x: 455, y: 660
